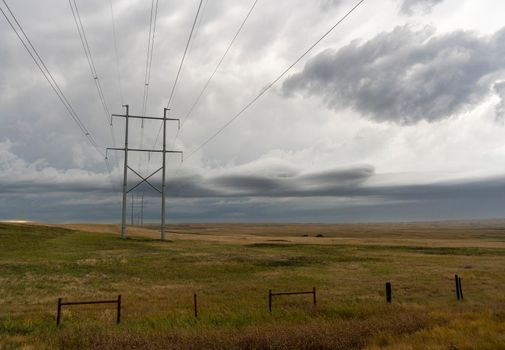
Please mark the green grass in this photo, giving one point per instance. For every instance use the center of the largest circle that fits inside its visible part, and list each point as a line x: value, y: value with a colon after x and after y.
x: 157, y: 280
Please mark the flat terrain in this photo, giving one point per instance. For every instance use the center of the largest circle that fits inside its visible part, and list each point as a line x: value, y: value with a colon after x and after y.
x: 232, y: 266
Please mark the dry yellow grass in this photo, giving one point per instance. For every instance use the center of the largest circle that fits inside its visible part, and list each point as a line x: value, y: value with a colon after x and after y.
x: 232, y: 266
x: 484, y: 234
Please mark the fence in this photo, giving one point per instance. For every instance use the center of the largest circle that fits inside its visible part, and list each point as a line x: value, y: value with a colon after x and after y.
x: 459, y: 296
x: 60, y: 304
x: 270, y: 295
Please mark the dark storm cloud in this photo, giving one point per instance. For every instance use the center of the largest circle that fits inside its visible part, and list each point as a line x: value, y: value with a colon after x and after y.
x: 248, y: 185
x: 349, y: 183
x: 332, y: 196
x: 408, y: 6
x: 445, y: 190
x: 338, y: 183
x: 337, y: 202
x: 405, y: 75
x: 197, y: 186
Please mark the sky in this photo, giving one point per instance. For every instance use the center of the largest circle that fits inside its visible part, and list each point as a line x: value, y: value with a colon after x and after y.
x: 396, y: 115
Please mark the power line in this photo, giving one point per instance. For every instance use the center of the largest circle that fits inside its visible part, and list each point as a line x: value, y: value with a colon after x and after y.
x: 94, y: 73
x: 113, y: 20
x: 27, y: 44
x: 118, y: 73
x: 30, y: 48
x: 149, y: 58
x: 89, y: 57
x: 206, y: 85
x: 271, y: 84
x: 198, y: 24
x: 147, y: 76
x: 181, y: 64
x: 184, y: 55
x: 195, y: 33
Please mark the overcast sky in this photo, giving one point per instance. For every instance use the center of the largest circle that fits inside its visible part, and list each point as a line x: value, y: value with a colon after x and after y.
x: 398, y: 114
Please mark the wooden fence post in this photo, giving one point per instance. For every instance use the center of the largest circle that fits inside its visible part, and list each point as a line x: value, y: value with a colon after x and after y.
x: 388, y: 292
x: 314, y: 295
x: 270, y: 300
x: 460, y: 288
x: 195, y: 303
x: 58, y: 312
x: 457, y: 279
x: 118, y: 309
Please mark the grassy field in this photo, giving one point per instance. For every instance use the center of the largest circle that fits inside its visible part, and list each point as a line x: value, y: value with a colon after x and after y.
x: 232, y: 267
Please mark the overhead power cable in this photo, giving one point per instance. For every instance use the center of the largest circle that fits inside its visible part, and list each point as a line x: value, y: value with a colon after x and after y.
x: 149, y: 58
x: 184, y: 55
x: 92, y: 67
x: 114, y: 36
x: 271, y: 84
x: 89, y: 57
x: 39, y: 62
x: 147, y: 76
x: 27, y: 44
x: 201, y: 17
x: 206, y: 85
x: 118, y: 75
x: 181, y: 64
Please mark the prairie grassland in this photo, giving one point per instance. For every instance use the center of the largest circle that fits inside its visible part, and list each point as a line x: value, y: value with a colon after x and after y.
x: 231, y: 268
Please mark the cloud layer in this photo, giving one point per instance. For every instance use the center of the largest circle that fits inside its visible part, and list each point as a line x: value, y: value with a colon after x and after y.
x: 237, y: 194
x: 285, y: 159
x: 406, y: 75
x: 409, y: 6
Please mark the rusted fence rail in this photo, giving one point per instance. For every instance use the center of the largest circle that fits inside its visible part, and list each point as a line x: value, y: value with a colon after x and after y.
x: 271, y: 295
x: 116, y: 301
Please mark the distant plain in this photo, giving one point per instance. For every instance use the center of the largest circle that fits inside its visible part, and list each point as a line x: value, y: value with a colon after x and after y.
x: 232, y: 266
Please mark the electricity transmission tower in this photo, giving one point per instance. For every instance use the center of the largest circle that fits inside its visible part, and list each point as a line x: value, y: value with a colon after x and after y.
x: 163, y: 152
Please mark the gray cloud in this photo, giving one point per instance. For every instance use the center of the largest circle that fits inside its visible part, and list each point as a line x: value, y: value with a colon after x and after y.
x: 267, y: 179
x: 329, y: 196
x: 409, y: 6
x: 304, y: 185
x: 327, y: 4
x: 405, y: 76
x: 499, y: 88
x: 264, y: 192
x: 257, y: 170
